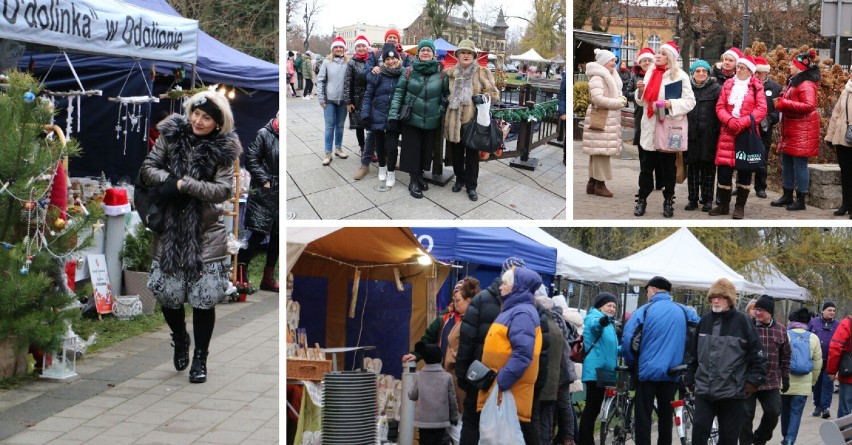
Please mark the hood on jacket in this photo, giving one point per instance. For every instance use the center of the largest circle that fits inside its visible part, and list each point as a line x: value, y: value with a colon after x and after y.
x: 526, y: 281
x: 596, y: 69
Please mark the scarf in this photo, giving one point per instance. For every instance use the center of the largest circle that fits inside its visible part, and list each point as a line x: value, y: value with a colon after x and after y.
x: 462, y: 86
x: 652, y: 90
x: 738, y: 94
x: 426, y: 68
x: 275, y: 125
x: 391, y: 72
x: 362, y: 58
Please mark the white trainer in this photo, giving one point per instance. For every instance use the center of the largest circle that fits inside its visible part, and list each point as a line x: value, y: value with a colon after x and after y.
x: 383, y: 173
x: 391, y: 179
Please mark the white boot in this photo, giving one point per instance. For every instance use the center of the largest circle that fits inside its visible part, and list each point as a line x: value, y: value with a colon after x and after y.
x: 383, y: 173
x: 391, y: 180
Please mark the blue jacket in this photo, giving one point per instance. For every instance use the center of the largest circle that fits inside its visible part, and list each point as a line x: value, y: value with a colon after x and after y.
x: 377, y: 100
x: 521, y: 318
x: 663, y: 337
x: 605, y: 352
x: 824, y: 331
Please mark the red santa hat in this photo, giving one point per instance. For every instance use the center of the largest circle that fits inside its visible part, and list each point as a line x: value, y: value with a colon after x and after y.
x: 671, y: 46
x: 761, y: 64
x: 115, y: 202
x: 749, y: 62
x: 646, y: 53
x: 338, y: 41
x: 362, y: 40
x: 733, y: 52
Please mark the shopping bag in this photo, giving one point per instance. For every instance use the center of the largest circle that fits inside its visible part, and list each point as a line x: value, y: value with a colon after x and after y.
x: 454, y: 431
x: 483, y: 109
x: 681, y: 169
x: 499, y: 424
x: 671, y: 134
x: 749, y: 149
x: 597, y: 118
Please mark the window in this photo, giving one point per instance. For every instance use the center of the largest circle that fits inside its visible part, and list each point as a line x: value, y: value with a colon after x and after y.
x: 629, y: 54
x: 654, y: 42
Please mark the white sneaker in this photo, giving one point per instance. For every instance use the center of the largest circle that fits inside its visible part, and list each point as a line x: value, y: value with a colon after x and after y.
x: 391, y: 179
x: 383, y: 173
x: 327, y: 159
x: 340, y: 153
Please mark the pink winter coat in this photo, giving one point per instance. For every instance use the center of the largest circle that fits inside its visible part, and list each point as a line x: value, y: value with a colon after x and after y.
x: 799, y: 118
x: 754, y: 104
x: 291, y: 71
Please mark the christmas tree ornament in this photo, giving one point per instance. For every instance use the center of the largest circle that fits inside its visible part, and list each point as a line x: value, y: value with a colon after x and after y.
x: 97, y: 226
x: 29, y: 97
x: 24, y: 270
x: 6, y: 245
x: 59, y: 224
x: 29, y: 205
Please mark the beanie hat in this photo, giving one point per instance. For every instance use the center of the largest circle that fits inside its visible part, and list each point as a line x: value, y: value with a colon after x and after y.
x: 646, y: 53
x: 766, y: 303
x: 466, y: 45
x: 604, y: 298
x: 389, y: 50
x: 761, y: 64
x: 698, y: 64
x: 733, y: 52
x: 338, y: 41
x: 361, y: 40
x: 748, y: 61
x: 671, y: 46
x: 426, y: 42
x: 602, y: 56
x: 393, y: 32
x: 512, y: 261
x: 802, y: 315
x: 827, y: 305
x: 209, y: 107
x: 660, y: 283
x: 431, y: 353
x: 723, y: 287
x: 803, y: 61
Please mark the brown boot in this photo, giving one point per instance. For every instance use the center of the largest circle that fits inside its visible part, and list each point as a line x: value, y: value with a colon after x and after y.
x: 739, y: 207
x: 724, y: 195
x: 590, y: 186
x: 269, y: 283
x: 601, y: 190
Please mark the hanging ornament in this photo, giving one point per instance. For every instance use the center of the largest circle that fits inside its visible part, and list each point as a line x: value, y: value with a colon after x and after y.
x: 29, y: 97
x: 80, y: 263
x: 6, y: 245
x: 97, y: 227
x: 24, y: 270
x: 29, y: 205
x: 59, y: 224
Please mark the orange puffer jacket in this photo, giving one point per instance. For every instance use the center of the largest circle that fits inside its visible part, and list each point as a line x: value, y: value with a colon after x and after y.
x: 799, y: 118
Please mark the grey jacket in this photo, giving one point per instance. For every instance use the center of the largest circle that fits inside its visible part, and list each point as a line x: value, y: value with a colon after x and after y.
x: 331, y: 79
x: 436, y: 403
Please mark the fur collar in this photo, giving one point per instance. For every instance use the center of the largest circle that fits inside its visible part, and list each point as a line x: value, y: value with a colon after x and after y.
x: 223, y: 149
x: 811, y: 74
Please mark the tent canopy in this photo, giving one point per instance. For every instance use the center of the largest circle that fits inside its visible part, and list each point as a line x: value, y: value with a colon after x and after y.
x: 575, y: 264
x: 529, y: 56
x: 685, y: 262
x: 442, y: 46
x: 110, y: 27
x: 777, y: 284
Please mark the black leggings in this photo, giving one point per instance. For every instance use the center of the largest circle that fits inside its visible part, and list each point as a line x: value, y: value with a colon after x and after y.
x: 844, y: 159
x: 359, y: 134
x: 309, y: 87
x: 594, y: 400
x: 292, y: 88
x: 203, y: 321
x: 386, y: 148
x: 726, y: 177
x: 254, y: 242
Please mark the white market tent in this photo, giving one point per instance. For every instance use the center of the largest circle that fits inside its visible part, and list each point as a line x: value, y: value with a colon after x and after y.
x: 103, y: 27
x: 575, y: 264
x: 684, y: 261
x: 529, y: 56
x: 777, y: 285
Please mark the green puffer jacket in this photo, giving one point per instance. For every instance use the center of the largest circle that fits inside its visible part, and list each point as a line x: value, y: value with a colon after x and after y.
x: 429, y: 103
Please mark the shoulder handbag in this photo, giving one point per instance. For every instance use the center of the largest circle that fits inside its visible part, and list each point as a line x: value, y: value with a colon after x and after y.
x: 597, y: 118
x: 579, y: 351
x: 848, y: 136
x: 405, y: 108
x: 748, y: 148
x: 486, y: 138
x: 670, y: 134
x: 146, y: 202
x: 844, y: 369
x: 479, y: 375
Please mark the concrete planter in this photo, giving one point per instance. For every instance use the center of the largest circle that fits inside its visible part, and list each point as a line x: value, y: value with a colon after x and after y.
x: 136, y: 283
x: 13, y: 361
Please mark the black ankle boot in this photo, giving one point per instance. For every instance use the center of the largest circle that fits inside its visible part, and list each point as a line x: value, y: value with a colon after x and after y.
x: 799, y: 203
x: 414, y: 187
x: 181, y: 345
x: 842, y: 210
x: 198, y: 372
x: 668, y: 207
x: 785, y: 199
x: 639, y: 210
x: 422, y: 182
x: 692, y: 204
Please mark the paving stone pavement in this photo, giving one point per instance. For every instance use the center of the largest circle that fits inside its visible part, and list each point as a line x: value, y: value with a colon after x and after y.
x: 624, y: 185
x: 130, y: 393
x: 318, y: 192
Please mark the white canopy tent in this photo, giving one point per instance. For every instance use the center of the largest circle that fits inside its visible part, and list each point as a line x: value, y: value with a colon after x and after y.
x: 529, y: 56
x: 777, y: 285
x: 685, y: 262
x: 575, y: 264
x: 298, y: 239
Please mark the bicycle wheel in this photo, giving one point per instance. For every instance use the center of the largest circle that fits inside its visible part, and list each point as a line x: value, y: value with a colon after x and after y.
x: 614, y: 427
x: 687, y: 415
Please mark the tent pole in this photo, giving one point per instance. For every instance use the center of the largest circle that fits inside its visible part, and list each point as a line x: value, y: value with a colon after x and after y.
x: 192, y: 81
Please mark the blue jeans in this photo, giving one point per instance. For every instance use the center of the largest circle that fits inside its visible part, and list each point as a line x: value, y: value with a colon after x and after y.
x: 369, y: 147
x: 335, y: 116
x: 791, y: 417
x: 823, y: 390
x: 794, y: 171
x: 844, y: 400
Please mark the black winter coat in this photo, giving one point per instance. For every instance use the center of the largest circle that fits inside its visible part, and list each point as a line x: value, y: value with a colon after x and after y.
x: 544, y: 356
x: 377, y: 100
x: 262, y: 164
x: 629, y: 91
x: 478, y: 317
x: 354, y: 87
x: 772, y: 89
x: 703, y: 123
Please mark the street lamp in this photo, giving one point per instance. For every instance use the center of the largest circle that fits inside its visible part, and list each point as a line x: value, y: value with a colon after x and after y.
x: 306, y: 25
x: 745, y: 25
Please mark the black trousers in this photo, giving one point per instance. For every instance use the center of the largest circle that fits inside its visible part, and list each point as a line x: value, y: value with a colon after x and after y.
x: 387, y: 150
x: 665, y: 164
x: 646, y: 392
x: 309, y: 87
x: 299, y: 79
x: 292, y: 88
x: 431, y: 436
x: 470, y: 420
x: 416, y: 154
x: 760, y: 173
x: 770, y: 402
x: 726, y: 176
x: 700, y: 180
x: 359, y: 134
x: 465, y: 164
x: 594, y: 400
x: 729, y: 413
x: 844, y: 158
x: 254, y: 242
x: 566, y: 418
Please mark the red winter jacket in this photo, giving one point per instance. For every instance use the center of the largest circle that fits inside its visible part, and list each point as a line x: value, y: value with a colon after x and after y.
x: 754, y: 104
x: 799, y: 118
x: 839, y: 344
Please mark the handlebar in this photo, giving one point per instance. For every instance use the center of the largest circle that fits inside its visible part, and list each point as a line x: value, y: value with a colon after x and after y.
x: 679, y: 369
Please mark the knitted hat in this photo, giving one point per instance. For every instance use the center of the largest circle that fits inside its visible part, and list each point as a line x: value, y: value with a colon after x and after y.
x: 389, y: 50
x: 209, y: 107
x: 115, y: 202
x: 361, y: 40
x: 660, y: 283
x: 431, y: 353
x: 338, y: 41
x: 426, y: 42
x: 603, y: 56
x: 761, y: 64
x: 393, y: 32
x: 512, y: 261
x: 698, y: 64
x: 766, y: 303
x: 466, y: 45
x: 671, y: 46
x: 748, y: 61
x: 723, y: 287
x: 733, y: 52
x: 603, y: 298
x: 828, y: 304
x: 646, y: 53
x: 803, y: 61
x: 802, y: 315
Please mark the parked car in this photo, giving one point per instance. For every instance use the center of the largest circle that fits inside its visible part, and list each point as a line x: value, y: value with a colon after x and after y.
x: 509, y: 68
x: 490, y: 66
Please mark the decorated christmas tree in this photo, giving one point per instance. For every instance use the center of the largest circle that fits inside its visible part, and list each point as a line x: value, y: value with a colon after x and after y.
x: 37, y: 231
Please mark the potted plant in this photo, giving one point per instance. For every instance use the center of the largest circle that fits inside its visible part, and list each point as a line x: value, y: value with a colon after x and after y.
x: 136, y: 264
x: 581, y: 103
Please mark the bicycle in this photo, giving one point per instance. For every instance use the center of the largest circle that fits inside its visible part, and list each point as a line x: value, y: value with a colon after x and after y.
x: 684, y: 412
x: 617, y: 410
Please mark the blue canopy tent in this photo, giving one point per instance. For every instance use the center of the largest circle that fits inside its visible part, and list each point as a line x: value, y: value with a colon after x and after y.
x: 442, y: 46
x: 106, y: 149
x: 480, y: 251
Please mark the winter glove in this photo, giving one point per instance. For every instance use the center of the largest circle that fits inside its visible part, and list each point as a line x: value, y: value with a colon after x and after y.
x: 454, y: 422
x: 623, y: 101
x: 785, y: 384
x: 734, y: 125
x: 168, y: 190
x: 393, y: 125
x: 750, y: 389
x: 604, y: 321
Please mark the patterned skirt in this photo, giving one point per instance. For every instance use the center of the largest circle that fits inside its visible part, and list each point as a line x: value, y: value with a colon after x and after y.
x: 202, y: 292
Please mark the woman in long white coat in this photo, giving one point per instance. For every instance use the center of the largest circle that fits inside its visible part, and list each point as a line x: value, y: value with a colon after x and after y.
x: 835, y: 135
x: 666, y: 71
x: 604, y: 93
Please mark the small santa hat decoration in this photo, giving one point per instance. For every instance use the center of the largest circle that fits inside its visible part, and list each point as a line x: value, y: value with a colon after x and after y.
x: 646, y: 53
x: 671, y: 46
x: 115, y: 202
x: 761, y: 64
x: 361, y: 40
x: 748, y: 61
x: 733, y: 52
x: 803, y: 61
x: 338, y: 41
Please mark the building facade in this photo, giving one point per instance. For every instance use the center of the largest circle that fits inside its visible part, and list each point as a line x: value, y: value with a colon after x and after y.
x: 490, y: 38
x: 640, y: 26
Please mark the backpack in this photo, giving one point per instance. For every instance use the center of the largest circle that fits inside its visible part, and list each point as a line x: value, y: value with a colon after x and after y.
x: 800, y: 353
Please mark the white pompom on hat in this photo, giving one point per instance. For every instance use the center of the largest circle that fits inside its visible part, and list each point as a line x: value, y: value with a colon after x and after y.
x: 602, y: 56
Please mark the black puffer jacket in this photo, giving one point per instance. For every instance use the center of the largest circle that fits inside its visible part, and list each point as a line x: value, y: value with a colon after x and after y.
x: 262, y: 163
x: 629, y: 91
x: 353, y: 91
x: 703, y: 123
x: 478, y: 317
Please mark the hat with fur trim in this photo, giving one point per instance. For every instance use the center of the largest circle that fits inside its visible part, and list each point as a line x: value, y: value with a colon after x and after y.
x: 671, y: 46
x: 338, y: 41
x: 748, y: 61
x: 733, y: 52
x: 115, y: 202
x: 646, y: 53
x: 724, y: 288
x: 761, y: 64
x: 361, y: 40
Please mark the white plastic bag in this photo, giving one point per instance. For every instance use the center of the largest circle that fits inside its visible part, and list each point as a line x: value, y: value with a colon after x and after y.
x: 455, y: 432
x: 499, y: 424
x: 483, y: 111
